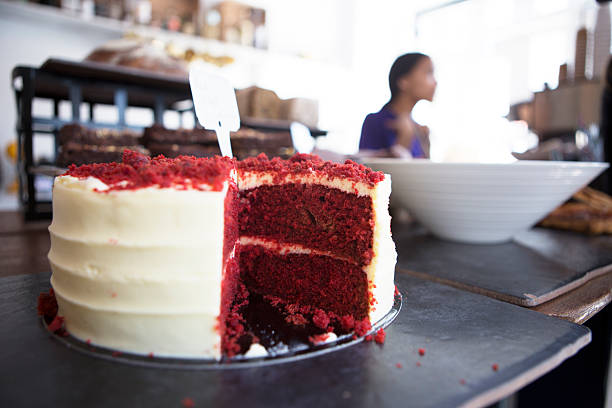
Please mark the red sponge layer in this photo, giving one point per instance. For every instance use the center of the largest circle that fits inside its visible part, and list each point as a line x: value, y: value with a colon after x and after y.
x: 234, y: 296
x: 230, y: 221
x: 316, y: 281
x: 315, y: 216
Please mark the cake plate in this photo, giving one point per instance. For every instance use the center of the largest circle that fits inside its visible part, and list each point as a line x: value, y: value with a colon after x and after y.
x: 280, y: 353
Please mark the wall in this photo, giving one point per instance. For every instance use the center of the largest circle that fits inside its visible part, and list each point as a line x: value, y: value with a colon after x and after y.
x: 492, y: 54
x: 29, y: 37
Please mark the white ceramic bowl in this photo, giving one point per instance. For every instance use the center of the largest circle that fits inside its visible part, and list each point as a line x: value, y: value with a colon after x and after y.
x: 483, y: 203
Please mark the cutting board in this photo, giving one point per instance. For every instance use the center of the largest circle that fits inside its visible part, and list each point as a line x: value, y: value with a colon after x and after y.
x: 539, y: 265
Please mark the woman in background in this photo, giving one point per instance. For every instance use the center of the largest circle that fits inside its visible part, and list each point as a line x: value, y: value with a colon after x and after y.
x: 392, y: 131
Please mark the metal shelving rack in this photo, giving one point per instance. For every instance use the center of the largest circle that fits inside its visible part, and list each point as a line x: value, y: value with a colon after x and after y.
x: 78, y: 83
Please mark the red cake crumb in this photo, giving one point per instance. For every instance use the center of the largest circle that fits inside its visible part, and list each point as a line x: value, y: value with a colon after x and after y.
x: 139, y: 171
x: 116, y: 353
x: 88, y: 341
x: 56, y: 324
x: 421, y: 352
x: 308, y: 164
x: 397, y: 292
x: 274, y: 301
x: 495, y: 367
x: 296, y: 319
x: 302, y: 316
x: 113, y: 295
x: 462, y: 381
x: 399, y: 365
x: 150, y: 355
x: 362, y: 327
x: 47, y: 305
x: 380, y: 336
x: 368, y: 337
x: 187, y: 402
x: 234, y: 295
x: 135, y: 159
x: 320, y: 319
x: 418, y: 363
x: 347, y: 322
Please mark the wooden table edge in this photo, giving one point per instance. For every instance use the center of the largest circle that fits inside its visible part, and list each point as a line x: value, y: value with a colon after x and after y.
x: 511, y: 386
x: 584, y: 309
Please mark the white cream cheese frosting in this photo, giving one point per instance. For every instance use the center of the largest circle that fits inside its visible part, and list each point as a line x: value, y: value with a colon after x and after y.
x: 138, y: 270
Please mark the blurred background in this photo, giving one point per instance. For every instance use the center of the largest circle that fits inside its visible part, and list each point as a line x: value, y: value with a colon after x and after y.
x: 512, y: 74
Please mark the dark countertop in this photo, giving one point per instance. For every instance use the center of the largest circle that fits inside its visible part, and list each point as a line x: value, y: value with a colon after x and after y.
x: 463, y: 335
x: 560, y: 273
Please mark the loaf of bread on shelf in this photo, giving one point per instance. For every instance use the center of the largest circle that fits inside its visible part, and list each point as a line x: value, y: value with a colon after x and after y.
x: 255, y: 102
x: 301, y: 110
x: 140, y: 54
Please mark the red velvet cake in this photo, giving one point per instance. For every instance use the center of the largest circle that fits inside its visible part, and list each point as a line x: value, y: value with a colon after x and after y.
x: 218, y: 257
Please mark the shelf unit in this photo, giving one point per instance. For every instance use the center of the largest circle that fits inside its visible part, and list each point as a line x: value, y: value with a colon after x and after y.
x: 77, y: 83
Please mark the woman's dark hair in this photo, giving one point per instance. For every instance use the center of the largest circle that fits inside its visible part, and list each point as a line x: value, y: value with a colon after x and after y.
x: 404, y: 64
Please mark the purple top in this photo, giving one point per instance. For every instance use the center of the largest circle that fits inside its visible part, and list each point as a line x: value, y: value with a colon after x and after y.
x: 377, y: 135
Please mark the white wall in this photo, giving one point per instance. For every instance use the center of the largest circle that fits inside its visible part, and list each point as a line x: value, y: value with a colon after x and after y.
x: 29, y: 38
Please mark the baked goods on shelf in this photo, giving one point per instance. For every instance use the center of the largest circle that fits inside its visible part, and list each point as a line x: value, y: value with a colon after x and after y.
x: 246, y: 142
x: 159, y: 134
x: 260, y: 103
x: 79, y: 144
x: 589, y: 211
